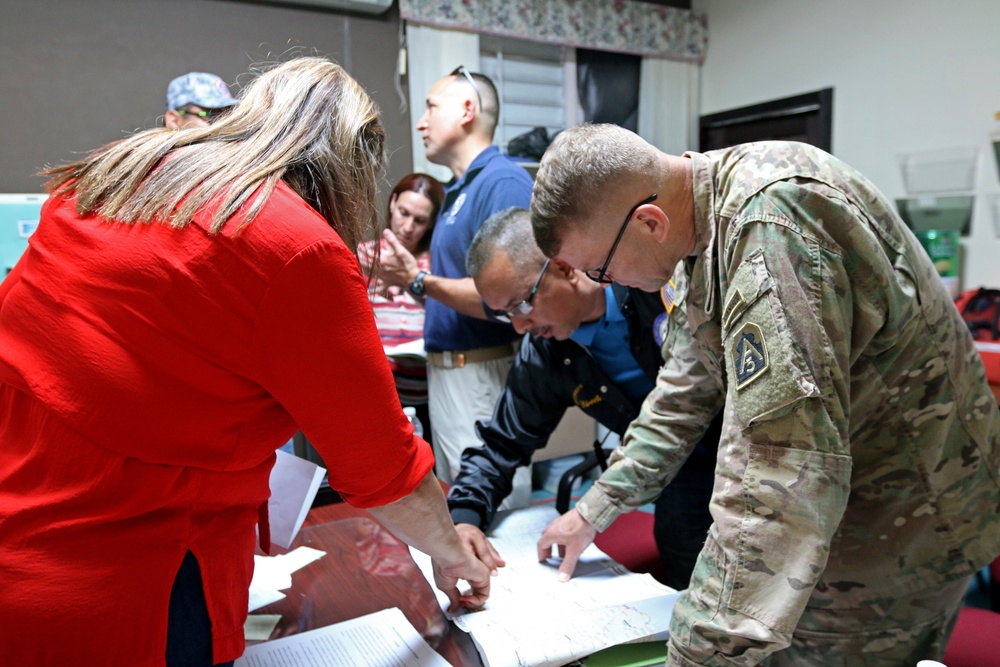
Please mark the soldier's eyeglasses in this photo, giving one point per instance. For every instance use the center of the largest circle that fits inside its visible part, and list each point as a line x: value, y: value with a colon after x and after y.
x: 524, y: 308
x: 600, y: 275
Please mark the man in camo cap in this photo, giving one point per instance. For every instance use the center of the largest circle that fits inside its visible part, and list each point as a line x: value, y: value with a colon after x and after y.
x: 857, y: 486
x: 195, y: 99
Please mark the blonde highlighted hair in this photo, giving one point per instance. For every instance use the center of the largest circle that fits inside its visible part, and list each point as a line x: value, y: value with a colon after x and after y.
x: 305, y: 121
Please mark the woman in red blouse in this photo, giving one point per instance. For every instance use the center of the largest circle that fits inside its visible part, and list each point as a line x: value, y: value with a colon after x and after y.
x: 189, y: 300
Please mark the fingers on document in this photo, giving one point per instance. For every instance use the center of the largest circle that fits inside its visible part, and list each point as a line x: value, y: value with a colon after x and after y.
x: 454, y: 599
x: 489, y: 556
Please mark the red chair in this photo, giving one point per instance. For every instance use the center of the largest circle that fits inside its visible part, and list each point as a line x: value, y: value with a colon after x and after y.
x: 629, y: 541
x: 976, y: 639
x: 995, y: 585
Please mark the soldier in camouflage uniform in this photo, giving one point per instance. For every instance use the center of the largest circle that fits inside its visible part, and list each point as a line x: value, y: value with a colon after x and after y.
x: 857, y: 486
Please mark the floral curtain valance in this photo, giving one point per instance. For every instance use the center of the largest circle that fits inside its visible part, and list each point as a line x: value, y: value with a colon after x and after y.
x: 627, y: 26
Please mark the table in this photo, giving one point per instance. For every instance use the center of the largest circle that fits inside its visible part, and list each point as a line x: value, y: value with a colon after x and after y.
x: 365, y: 569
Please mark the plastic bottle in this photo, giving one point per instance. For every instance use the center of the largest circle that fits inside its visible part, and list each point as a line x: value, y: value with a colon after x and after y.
x: 411, y: 414
x: 942, y: 247
x: 995, y: 138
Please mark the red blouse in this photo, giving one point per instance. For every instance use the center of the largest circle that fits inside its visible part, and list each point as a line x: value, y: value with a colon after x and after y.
x: 147, y: 375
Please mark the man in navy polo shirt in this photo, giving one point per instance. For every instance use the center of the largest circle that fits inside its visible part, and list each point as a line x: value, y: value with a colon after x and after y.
x: 468, y: 353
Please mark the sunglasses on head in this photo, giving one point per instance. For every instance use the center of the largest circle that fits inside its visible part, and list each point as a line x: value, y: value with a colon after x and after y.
x: 462, y: 71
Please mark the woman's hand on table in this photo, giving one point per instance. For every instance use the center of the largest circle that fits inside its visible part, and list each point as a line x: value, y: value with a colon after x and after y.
x: 472, y: 570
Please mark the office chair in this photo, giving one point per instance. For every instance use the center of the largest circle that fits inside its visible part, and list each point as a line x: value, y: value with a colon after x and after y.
x: 974, y: 641
x: 995, y: 584
x: 598, y: 457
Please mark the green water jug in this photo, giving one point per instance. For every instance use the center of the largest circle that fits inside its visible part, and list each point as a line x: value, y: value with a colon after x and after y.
x: 942, y: 247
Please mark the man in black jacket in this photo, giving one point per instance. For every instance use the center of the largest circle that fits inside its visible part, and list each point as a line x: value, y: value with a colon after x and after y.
x: 593, y: 346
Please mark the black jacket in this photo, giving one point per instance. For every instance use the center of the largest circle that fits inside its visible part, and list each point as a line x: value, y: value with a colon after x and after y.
x: 549, y: 376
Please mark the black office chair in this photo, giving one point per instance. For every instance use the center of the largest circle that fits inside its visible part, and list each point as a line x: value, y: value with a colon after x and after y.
x: 593, y: 459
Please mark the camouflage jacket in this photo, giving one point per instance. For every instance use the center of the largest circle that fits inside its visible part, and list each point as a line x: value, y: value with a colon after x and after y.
x: 860, y: 451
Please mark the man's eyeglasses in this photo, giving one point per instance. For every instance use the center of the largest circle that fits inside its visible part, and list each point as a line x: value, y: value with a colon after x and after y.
x: 524, y: 308
x: 472, y: 82
x: 205, y: 114
x: 600, y: 275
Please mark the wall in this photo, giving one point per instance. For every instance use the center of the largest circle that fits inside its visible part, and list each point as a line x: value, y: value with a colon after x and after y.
x: 908, y: 75
x: 78, y: 74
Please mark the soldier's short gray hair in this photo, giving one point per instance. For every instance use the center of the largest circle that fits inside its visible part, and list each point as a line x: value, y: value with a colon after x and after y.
x: 581, y: 166
x: 509, y: 232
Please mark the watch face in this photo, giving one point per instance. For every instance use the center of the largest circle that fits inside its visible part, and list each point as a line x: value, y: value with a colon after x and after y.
x: 417, y: 285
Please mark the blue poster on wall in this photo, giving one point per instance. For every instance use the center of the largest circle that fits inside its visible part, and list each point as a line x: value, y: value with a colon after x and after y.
x: 18, y: 219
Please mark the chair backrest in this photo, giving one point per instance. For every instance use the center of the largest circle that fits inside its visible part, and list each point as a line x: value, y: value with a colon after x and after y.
x: 995, y: 584
x: 630, y: 541
x: 974, y: 641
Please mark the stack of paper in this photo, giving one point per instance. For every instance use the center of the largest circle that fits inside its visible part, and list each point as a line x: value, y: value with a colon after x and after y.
x: 382, y: 639
x: 534, y: 620
x: 273, y: 574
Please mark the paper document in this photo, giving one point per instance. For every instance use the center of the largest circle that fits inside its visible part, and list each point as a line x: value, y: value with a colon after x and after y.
x: 534, y: 620
x: 258, y: 627
x: 294, y: 483
x: 413, y: 350
x: 272, y: 574
x: 382, y: 639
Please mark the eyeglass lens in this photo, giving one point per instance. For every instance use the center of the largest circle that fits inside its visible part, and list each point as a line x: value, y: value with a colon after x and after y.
x: 524, y: 308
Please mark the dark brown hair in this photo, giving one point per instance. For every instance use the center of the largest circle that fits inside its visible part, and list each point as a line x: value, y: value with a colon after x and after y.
x: 428, y: 186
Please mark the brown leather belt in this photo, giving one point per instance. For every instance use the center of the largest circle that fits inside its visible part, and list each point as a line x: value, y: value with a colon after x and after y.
x: 449, y: 359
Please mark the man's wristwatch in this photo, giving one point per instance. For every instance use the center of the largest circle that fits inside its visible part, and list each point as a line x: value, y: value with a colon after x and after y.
x: 416, y: 287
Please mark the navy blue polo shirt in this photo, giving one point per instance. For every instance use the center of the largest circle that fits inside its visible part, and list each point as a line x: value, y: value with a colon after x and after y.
x: 607, y: 341
x: 492, y: 183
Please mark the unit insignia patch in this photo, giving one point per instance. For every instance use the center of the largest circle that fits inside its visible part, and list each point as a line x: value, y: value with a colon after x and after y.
x: 749, y: 354
x: 660, y: 329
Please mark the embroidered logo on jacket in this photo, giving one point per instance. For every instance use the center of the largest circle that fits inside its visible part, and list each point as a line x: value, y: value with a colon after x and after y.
x: 749, y: 354
x: 587, y: 402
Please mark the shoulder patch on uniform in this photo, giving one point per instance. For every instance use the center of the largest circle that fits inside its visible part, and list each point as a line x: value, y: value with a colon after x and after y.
x: 668, y: 295
x: 749, y: 354
x: 734, y: 302
x: 660, y: 329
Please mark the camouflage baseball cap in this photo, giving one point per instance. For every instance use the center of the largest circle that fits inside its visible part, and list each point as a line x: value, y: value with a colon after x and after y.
x: 206, y: 90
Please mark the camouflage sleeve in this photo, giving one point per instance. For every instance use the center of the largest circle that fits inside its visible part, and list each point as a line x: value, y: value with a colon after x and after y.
x: 671, y: 422
x: 784, y: 470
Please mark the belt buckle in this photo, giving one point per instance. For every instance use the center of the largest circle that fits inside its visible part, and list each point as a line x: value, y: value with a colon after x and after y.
x: 454, y: 359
